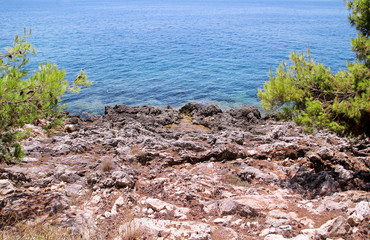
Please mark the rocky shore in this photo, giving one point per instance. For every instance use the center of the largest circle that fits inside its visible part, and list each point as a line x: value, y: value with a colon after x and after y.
x: 194, y: 173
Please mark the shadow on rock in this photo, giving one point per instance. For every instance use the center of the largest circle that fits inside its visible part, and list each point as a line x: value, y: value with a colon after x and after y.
x: 20, y: 206
x: 325, y: 183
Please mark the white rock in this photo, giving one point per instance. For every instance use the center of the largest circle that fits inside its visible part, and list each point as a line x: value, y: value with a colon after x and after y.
x: 73, y: 189
x: 29, y: 160
x: 363, y: 209
x: 267, y: 231
x: 96, y: 199
x: 221, y: 221
x: 237, y: 222
x: 119, y: 202
x: 309, y: 233
x: 181, y: 212
x: 274, y: 237
x: 114, y: 210
x: 343, y: 173
x: 6, y: 187
x: 107, y: 214
x: 189, y: 230
x: 150, y: 211
x: 158, y: 205
x: 329, y: 205
x: 334, y: 228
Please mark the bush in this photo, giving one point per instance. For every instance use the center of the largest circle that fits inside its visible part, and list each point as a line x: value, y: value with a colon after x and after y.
x: 311, y: 95
x: 28, y: 98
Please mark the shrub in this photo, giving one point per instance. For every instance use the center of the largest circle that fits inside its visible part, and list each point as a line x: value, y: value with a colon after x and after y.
x: 29, y: 98
x: 311, y: 95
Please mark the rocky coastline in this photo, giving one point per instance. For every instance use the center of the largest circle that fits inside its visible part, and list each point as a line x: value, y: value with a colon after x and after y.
x: 194, y: 173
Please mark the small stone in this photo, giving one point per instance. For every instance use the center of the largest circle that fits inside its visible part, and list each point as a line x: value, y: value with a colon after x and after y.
x: 119, y: 202
x: 343, y: 173
x: 325, y: 153
x: 96, y: 199
x: 211, y: 208
x: 158, y: 205
x: 73, y: 189
x: 227, y: 207
x: 221, y: 221
x: 107, y: 214
x: 237, y: 223
x: 29, y: 160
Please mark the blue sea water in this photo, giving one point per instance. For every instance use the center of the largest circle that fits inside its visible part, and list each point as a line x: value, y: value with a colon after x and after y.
x: 160, y: 52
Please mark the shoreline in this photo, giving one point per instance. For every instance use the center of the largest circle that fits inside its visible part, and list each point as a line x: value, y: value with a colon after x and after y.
x: 195, y: 173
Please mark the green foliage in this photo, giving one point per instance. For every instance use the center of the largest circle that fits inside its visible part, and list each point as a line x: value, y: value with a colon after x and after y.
x: 311, y: 95
x: 29, y: 98
x: 360, y: 18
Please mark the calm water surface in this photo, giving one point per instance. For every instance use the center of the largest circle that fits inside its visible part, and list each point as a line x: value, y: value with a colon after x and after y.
x: 160, y: 52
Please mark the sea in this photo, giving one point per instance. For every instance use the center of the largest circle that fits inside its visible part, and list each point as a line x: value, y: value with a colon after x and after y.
x: 171, y: 52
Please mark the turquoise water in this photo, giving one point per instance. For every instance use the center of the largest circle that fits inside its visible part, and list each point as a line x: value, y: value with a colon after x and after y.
x: 160, y: 52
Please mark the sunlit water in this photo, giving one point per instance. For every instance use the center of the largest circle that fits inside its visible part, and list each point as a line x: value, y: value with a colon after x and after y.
x: 167, y: 52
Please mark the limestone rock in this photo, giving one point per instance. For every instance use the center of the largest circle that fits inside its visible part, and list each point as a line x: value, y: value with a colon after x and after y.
x: 334, y: 228
x: 154, y: 228
x: 6, y: 187
x: 158, y: 205
x: 249, y: 173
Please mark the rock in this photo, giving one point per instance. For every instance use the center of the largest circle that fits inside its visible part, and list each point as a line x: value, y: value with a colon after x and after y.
x: 211, y: 208
x: 325, y: 153
x: 119, y: 202
x: 322, y: 183
x: 15, y: 174
x: 249, y: 173
x: 334, y: 228
x: 246, y: 112
x: 107, y: 214
x: 343, y: 173
x: 363, y: 209
x: 61, y: 149
x: 276, y: 218
x: 29, y: 160
x: 246, y: 211
x: 158, y: 205
x: 96, y: 199
x: 181, y: 213
x: 274, y: 237
x: 283, y: 229
x: 6, y: 187
x: 73, y: 189
x: 123, y: 179
x: 69, y: 177
x: 360, y: 213
x: 236, y: 178
x: 221, y: 221
x: 227, y: 207
x: 209, y: 110
x: 21, y: 206
x: 155, y: 228
x: 189, y: 108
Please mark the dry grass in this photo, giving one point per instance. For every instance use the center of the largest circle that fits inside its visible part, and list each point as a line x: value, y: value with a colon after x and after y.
x: 107, y: 165
x: 137, y: 150
x: 37, y: 232
x: 234, y: 180
x: 79, y: 200
x: 130, y: 230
